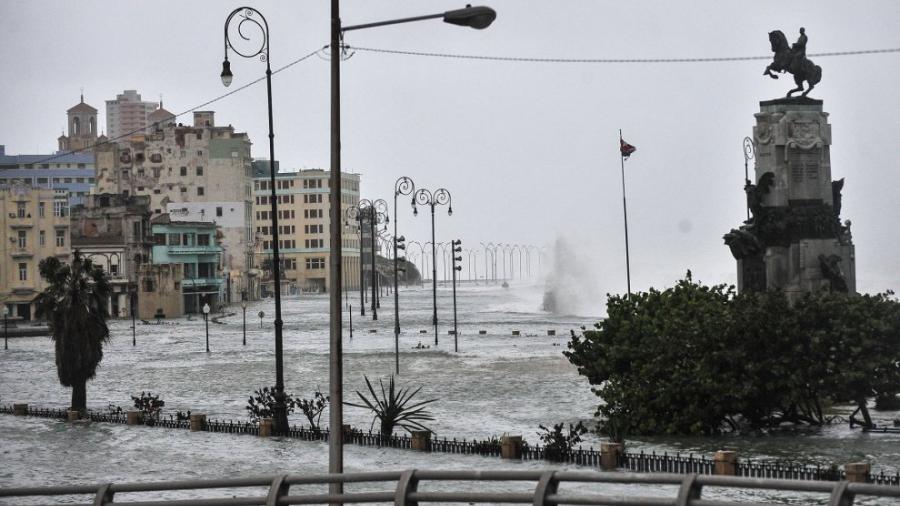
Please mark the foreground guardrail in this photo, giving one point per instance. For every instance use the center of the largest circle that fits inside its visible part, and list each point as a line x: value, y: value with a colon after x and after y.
x: 409, y: 488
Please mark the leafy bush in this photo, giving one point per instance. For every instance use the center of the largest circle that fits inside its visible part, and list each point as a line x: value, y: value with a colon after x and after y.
x: 394, y: 408
x: 558, y: 444
x: 312, y: 408
x: 262, y: 404
x: 149, y: 405
x: 694, y: 359
x: 487, y: 446
x: 181, y: 415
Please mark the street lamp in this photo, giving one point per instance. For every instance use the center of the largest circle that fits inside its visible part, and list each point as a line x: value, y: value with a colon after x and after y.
x: 206, y: 321
x: 455, y: 248
x: 425, y: 198
x: 356, y: 213
x: 474, y: 17
x: 244, y: 311
x: 403, y: 186
x: 133, y: 323
x: 749, y: 153
x: 248, y: 15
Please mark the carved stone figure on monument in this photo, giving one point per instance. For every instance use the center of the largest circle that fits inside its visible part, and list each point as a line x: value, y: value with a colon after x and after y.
x: 792, y: 59
x: 836, y: 187
x: 742, y: 243
x: 755, y: 193
x: 831, y: 271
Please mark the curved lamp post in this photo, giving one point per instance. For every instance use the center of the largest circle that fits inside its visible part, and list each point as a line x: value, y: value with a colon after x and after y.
x: 749, y: 153
x: 440, y: 197
x: 248, y: 16
x: 474, y: 17
x: 403, y: 186
x: 355, y: 213
x: 378, y: 216
x: 422, y: 260
x: 206, y: 321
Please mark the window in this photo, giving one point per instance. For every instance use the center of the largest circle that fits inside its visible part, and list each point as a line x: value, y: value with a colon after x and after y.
x: 20, y: 209
x: 203, y: 240
x: 184, y: 171
x: 23, y: 236
x: 42, y: 238
x: 199, y: 191
x: 79, y: 179
x: 183, y: 189
x: 187, y: 239
x: 199, y: 171
x: 60, y: 238
x: 60, y: 208
x: 218, y: 211
x: 91, y: 180
x: 42, y: 180
x: 174, y: 240
x: 114, y: 270
x: 315, y: 263
x: 67, y: 180
x: 23, y: 272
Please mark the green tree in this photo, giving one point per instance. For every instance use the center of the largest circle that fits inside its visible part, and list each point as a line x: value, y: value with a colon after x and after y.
x: 74, y: 304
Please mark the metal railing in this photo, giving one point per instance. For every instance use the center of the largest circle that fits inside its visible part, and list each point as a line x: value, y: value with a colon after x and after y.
x: 409, y: 488
x: 645, y: 462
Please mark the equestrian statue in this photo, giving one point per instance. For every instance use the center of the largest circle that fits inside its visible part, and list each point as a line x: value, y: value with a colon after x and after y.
x: 792, y: 59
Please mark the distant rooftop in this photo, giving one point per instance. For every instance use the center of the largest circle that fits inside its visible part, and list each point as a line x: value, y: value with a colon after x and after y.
x: 51, y: 158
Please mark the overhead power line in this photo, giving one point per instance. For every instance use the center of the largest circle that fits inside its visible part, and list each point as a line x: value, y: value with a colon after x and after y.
x: 534, y: 59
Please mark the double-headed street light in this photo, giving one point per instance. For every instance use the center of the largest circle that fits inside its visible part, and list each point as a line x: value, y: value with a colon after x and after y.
x: 474, y: 17
x: 247, y: 16
x: 424, y: 197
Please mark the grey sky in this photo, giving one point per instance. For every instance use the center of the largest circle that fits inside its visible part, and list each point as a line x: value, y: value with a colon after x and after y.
x: 528, y: 150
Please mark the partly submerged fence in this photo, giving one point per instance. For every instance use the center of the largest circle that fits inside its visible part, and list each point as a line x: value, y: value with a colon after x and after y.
x: 642, y: 462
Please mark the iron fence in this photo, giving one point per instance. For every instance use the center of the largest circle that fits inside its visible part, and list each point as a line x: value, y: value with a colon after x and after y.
x: 642, y: 462
x: 416, y: 486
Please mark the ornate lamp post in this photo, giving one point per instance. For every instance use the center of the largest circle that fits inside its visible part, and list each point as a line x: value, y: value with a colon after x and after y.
x: 356, y: 213
x: 749, y: 153
x: 378, y: 216
x: 421, y: 260
x: 5, y: 328
x: 206, y: 321
x: 133, y: 322
x: 403, y: 186
x: 424, y: 197
x: 249, y: 15
x: 475, y: 17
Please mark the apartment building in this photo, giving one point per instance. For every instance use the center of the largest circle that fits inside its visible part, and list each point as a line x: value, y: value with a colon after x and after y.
x: 196, y: 173
x: 36, y: 225
x: 303, y: 227
x: 127, y: 114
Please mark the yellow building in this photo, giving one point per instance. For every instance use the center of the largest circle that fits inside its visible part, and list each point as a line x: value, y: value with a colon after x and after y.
x: 36, y: 225
x: 303, y: 222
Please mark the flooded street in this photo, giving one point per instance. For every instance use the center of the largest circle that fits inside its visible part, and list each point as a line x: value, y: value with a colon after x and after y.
x: 495, y: 384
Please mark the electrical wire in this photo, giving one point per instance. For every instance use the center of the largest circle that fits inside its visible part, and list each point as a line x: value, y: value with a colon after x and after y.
x: 531, y: 59
x: 188, y: 111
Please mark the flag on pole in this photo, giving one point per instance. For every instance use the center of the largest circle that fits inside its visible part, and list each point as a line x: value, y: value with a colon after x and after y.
x: 626, y: 149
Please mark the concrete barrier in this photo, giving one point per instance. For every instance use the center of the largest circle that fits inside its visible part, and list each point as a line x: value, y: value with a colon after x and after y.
x: 511, y: 447
x: 265, y: 427
x: 551, y: 332
x: 857, y: 472
x: 609, y: 454
x: 198, y: 422
x: 725, y: 463
x: 133, y: 417
x: 482, y: 332
x: 20, y: 409
x: 421, y: 440
x: 516, y: 333
x: 72, y: 415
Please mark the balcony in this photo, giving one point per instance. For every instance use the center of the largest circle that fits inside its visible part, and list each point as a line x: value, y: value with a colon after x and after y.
x: 193, y: 250
x: 192, y: 282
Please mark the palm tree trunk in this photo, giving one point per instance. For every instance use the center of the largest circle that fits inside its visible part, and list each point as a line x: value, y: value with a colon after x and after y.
x: 79, y: 397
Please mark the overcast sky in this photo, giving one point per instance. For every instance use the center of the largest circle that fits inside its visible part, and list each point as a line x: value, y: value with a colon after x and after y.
x: 529, y: 151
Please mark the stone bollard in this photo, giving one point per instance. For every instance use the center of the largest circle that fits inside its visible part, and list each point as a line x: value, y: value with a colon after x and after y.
x: 516, y: 333
x: 551, y: 332
x: 482, y: 332
x: 265, y: 427
x: 133, y: 417
x: 72, y: 415
x: 725, y: 463
x: 20, y: 409
x: 511, y: 447
x: 421, y: 440
x: 372, y: 331
x: 423, y: 332
x: 451, y: 332
x: 609, y: 454
x: 857, y: 472
x: 198, y: 422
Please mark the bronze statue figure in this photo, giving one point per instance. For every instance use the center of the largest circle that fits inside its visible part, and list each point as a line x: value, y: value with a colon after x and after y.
x: 836, y: 187
x: 756, y: 192
x: 831, y: 271
x: 742, y: 243
x: 792, y: 59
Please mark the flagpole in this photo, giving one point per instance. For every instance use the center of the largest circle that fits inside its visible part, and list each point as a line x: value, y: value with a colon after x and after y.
x: 625, y: 214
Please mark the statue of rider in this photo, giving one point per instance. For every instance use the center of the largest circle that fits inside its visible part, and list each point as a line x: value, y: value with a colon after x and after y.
x: 798, y: 50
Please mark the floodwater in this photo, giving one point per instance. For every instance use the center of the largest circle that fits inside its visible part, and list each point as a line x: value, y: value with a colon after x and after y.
x: 495, y: 384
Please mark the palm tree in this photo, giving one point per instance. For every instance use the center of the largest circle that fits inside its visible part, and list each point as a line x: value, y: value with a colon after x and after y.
x: 74, y: 304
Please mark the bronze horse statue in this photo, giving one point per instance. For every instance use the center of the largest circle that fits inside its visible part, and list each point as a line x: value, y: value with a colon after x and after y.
x: 792, y: 59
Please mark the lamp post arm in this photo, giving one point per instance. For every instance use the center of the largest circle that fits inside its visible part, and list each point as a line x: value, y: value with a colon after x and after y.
x: 390, y: 22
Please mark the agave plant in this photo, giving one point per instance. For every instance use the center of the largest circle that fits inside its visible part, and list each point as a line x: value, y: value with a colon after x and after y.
x: 395, y: 407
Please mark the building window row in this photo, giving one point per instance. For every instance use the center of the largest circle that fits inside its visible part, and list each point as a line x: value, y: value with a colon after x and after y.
x: 315, y: 243
x: 312, y: 213
x: 315, y: 263
x: 314, y: 229
x: 314, y: 198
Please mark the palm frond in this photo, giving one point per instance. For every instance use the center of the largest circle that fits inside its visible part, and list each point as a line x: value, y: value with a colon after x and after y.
x: 393, y: 407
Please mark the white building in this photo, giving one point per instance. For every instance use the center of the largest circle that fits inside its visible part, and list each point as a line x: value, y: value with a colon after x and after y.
x: 127, y: 113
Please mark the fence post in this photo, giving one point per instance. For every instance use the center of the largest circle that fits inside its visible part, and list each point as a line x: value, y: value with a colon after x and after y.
x: 72, y: 415
x: 20, y: 409
x: 511, y: 447
x: 609, y: 454
x: 857, y: 472
x: 198, y: 422
x: 265, y: 427
x: 421, y: 440
x: 133, y: 417
x: 725, y: 463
